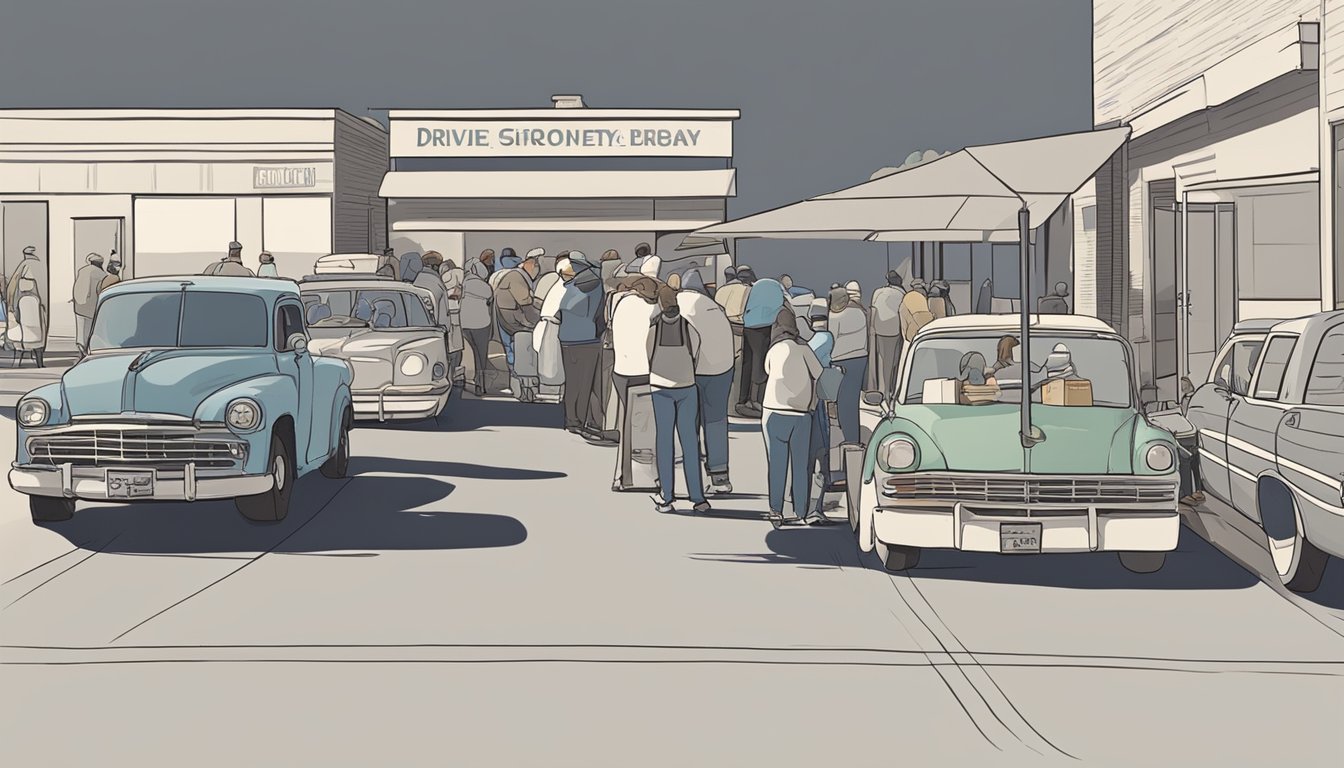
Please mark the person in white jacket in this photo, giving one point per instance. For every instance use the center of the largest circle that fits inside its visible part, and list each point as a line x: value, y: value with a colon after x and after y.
x: 790, y: 395
x: 633, y: 308
x: 673, y: 346
x: 713, y: 376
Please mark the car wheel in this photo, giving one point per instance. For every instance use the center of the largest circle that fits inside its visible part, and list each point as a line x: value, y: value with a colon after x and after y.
x: 1143, y: 562
x: 337, y: 465
x: 895, y: 557
x: 272, y: 505
x: 47, y: 509
x: 1299, y: 564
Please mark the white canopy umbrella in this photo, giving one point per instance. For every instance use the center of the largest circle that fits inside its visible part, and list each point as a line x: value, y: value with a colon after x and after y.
x: 993, y: 193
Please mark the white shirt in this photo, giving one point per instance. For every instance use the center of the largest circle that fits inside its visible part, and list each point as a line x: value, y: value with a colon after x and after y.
x: 791, y: 371
x: 849, y: 326
x: 887, y: 310
x: 712, y: 326
x: 630, y: 335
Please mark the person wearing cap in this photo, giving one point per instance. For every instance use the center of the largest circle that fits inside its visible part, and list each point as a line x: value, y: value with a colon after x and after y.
x: 849, y: 325
x: 267, y: 265
x: 232, y: 264
x: 915, y: 312
x: 1056, y: 303
x: 84, y: 296
x: 885, y: 314
x: 30, y: 268
x: 713, y: 377
x: 428, y: 277
x: 790, y: 396
x: 515, y: 301
x: 580, y: 333
x: 611, y: 265
x: 764, y: 301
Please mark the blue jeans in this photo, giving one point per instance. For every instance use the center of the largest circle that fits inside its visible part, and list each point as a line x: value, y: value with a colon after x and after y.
x: 788, y: 436
x: 715, y: 392
x: 677, y: 410
x: 506, y: 339
x: 847, y: 402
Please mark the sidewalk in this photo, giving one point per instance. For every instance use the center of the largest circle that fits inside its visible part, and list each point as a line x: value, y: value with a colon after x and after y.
x: 15, y: 381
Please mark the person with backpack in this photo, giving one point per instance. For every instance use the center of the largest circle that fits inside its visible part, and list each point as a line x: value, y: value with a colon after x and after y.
x: 673, y: 346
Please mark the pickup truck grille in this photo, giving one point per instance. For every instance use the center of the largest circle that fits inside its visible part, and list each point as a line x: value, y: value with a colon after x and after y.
x: 116, y: 446
x: 1083, y: 491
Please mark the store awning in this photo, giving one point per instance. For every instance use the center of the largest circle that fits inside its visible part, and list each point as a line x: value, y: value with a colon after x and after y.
x: 550, y: 225
x: 976, y: 190
x: 715, y: 182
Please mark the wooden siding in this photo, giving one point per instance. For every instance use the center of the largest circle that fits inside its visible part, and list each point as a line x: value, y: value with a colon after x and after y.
x: 358, y: 214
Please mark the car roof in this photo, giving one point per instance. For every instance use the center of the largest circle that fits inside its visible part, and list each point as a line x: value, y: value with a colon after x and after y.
x: 1013, y: 322
x: 357, y: 282
x: 1257, y: 325
x: 346, y: 277
x: 268, y: 288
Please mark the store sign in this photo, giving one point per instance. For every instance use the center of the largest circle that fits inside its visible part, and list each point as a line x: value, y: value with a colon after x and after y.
x: 555, y: 138
x: 284, y: 178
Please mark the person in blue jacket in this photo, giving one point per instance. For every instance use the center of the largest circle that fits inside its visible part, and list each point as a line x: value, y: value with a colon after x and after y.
x: 582, y: 324
x: 764, y: 301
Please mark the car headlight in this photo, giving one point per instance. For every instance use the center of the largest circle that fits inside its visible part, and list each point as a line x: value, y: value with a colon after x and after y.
x: 439, y: 371
x: 34, y: 412
x: 1159, y: 457
x: 412, y: 364
x: 243, y: 414
x: 896, y: 454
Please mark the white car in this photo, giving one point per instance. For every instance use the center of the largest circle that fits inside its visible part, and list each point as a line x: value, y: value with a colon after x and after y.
x: 346, y: 264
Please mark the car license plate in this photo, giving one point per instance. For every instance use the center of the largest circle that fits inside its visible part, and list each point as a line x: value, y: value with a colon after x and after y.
x: 130, y: 485
x: 1020, y: 537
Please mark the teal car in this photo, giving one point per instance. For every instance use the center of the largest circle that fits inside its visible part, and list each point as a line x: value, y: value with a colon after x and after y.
x: 947, y: 466
x: 194, y: 388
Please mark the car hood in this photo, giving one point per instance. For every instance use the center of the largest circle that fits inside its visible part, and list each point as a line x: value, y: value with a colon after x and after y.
x: 1079, y: 440
x: 171, y: 381
x: 367, y: 342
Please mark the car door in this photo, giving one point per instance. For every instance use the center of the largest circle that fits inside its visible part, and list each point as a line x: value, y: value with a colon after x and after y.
x: 1253, y: 423
x: 297, y: 363
x: 1211, y: 405
x: 1310, y: 445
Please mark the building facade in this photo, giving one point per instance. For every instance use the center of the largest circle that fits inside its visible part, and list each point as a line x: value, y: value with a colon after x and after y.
x: 564, y: 178
x: 165, y: 191
x: 1212, y: 213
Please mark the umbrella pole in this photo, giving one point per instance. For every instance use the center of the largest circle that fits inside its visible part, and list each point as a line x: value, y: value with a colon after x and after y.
x: 1029, y: 435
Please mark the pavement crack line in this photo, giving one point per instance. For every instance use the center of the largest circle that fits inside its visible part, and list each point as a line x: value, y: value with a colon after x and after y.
x: 235, y: 571
x: 971, y: 673
x: 63, y: 571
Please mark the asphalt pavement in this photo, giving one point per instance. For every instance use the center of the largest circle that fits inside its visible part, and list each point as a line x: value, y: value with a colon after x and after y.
x: 475, y: 595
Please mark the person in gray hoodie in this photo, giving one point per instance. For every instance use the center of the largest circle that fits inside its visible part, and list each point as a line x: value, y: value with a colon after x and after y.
x: 581, y: 326
x: 477, y: 317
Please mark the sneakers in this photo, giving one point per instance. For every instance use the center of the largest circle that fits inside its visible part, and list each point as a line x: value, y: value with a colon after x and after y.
x: 660, y: 506
x: 818, y: 519
x: 720, y: 485
x: 776, y: 519
x: 702, y: 508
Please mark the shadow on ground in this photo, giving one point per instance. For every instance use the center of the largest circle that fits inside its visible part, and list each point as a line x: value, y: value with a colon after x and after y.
x: 450, y: 469
x: 470, y: 414
x: 370, y: 513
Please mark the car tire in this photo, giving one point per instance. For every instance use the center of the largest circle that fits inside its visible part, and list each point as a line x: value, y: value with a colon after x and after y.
x: 1299, y: 564
x: 895, y: 557
x: 273, y: 505
x: 1143, y: 562
x: 49, y: 509
x: 337, y: 465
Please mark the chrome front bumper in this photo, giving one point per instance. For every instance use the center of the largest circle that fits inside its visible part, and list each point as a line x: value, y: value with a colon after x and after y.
x: 90, y: 483
x: 406, y: 402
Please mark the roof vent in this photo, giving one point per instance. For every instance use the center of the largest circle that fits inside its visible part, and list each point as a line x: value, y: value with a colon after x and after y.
x: 571, y: 101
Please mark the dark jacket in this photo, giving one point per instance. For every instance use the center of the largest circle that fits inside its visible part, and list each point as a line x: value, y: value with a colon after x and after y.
x: 581, y: 319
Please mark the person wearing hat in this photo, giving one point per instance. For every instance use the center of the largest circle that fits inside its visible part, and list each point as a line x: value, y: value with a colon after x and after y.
x: 515, y: 301
x: 849, y: 324
x: 477, y: 315
x: 1056, y: 302
x: 611, y: 265
x: 232, y: 264
x: 29, y: 269
x: 713, y: 377
x: 85, y: 298
x: 915, y: 312
x: 428, y: 278
x: 580, y: 333
x: 886, y: 323
x: 508, y: 259
x: 267, y: 268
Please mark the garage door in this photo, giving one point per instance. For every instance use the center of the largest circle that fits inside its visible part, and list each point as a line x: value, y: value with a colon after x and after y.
x: 176, y: 236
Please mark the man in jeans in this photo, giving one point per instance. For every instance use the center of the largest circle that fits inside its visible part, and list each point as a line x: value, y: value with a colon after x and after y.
x: 672, y: 347
x: 764, y: 301
x: 713, y: 376
x: 581, y: 327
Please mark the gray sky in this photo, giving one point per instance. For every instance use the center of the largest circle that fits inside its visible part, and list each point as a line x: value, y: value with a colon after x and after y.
x: 829, y: 91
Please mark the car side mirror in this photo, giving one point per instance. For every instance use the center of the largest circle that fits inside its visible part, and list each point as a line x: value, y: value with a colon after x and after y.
x: 299, y: 343
x: 873, y: 398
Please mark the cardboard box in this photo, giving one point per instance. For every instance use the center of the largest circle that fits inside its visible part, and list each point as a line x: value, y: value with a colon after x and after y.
x: 940, y: 392
x: 1067, y: 392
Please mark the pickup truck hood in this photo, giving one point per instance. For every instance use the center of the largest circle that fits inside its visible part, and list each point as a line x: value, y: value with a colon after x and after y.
x: 172, y: 381
x: 1079, y: 440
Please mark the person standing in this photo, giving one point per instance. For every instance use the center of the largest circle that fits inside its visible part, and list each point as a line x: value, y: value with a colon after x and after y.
x: 886, y: 320
x: 453, y: 279
x: 915, y: 312
x: 476, y: 316
x: 515, y: 302
x: 713, y: 377
x: 30, y: 268
x: 387, y: 264
x: 672, y: 347
x: 792, y: 370
x: 580, y: 333
x: 765, y: 299
x: 822, y: 344
x: 849, y: 326
x: 634, y: 306
x: 427, y: 277
x: 232, y: 265
x: 84, y: 296
x: 266, y: 266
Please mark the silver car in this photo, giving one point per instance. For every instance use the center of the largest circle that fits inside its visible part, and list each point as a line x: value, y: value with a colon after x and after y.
x: 384, y: 329
x: 1270, y: 421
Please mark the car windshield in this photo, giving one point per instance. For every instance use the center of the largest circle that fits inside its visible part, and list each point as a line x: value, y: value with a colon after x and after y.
x: 180, y: 319
x: 379, y: 308
x: 983, y: 369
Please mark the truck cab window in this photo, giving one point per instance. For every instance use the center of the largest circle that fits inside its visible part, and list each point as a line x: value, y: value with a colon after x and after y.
x: 1326, y: 385
x: 1273, y: 366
